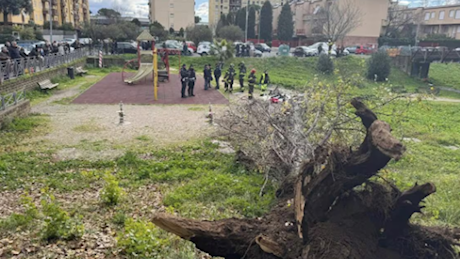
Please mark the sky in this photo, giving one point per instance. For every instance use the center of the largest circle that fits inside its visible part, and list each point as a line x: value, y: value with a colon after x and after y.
x: 140, y: 8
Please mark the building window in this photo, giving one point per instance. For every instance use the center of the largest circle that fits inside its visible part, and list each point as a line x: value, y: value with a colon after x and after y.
x: 441, y: 15
x: 433, y: 15
x: 451, y: 13
x: 457, y: 14
x: 427, y: 16
x: 171, y: 5
x: 171, y: 15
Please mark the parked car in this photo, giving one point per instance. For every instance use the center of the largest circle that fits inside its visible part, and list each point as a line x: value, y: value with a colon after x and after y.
x: 191, y: 47
x: 172, y: 47
x: 257, y: 53
x: 304, y: 51
x: 126, y: 47
x: 251, y: 45
x: 263, y: 47
x: 204, y: 49
x: 363, y: 50
x: 351, y: 49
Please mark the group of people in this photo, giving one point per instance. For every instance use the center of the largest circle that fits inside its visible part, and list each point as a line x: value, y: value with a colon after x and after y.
x: 11, y: 51
x: 330, y: 45
x: 242, y: 50
x: 188, y: 78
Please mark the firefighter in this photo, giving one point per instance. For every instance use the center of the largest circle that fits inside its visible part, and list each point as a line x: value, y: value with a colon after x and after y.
x: 229, y: 78
x: 252, y: 81
x: 183, y: 79
x: 218, y: 73
x: 264, y: 81
x: 191, y: 81
x: 329, y: 45
x: 242, y: 68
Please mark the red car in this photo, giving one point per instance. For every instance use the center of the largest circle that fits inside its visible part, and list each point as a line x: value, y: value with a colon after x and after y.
x: 363, y: 50
x: 191, y: 45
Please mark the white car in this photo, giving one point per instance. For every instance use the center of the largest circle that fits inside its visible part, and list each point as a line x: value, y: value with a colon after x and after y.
x: 313, y: 49
x: 204, y: 49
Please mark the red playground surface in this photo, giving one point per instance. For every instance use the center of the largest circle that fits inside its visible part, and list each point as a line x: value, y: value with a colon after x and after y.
x: 112, y: 90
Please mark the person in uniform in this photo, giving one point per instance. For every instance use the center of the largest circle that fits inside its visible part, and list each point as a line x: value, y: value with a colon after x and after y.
x: 226, y: 81
x: 191, y: 81
x: 242, y: 75
x: 207, y: 77
x: 183, y: 79
x: 252, y: 81
x: 217, y: 74
x: 329, y: 45
x: 264, y: 81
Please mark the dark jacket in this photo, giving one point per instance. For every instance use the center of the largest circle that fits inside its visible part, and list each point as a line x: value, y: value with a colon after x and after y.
x: 14, y: 52
x: 207, y: 74
x: 191, y: 76
x: 217, y: 72
x: 33, y: 53
x: 252, y: 79
x: 183, y: 75
x: 23, y: 53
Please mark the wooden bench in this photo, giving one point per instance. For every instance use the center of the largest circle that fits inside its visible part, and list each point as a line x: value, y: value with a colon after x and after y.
x: 80, y: 71
x: 46, y: 85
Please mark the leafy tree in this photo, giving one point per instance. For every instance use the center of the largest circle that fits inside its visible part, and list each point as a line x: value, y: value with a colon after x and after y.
x: 181, y: 32
x: 27, y: 33
x: 223, y: 50
x: 378, y: 66
x: 231, y: 33
x: 231, y: 17
x: 171, y: 31
x: 157, y: 30
x: 241, y: 19
x: 266, y: 21
x: 251, y: 23
x: 136, y: 22
x: 14, y: 7
x: 109, y: 13
x: 38, y: 34
x: 199, y: 33
x: 285, y: 24
x: 67, y: 27
x: 197, y: 19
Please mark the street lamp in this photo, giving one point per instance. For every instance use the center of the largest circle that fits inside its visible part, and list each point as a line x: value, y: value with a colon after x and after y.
x: 51, y: 21
x: 246, y: 31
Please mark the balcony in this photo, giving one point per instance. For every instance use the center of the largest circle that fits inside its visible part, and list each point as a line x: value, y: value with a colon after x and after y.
x: 300, y: 32
x: 54, y: 2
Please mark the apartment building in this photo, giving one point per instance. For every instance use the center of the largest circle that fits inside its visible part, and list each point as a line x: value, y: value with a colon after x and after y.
x: 261, y: 2
x: 174, y: 14
x: 373, y: 14
x: 433, y: 20
x: 75, y: 12
x: 219, y: 7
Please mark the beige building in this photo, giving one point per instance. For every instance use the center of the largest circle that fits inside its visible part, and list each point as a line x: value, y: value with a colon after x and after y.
x: 244, y: 3
x: 218, y: 7
x: 431, y: 20
x: 373, y: 15
x: 75, y: 12
x: 174, y: 14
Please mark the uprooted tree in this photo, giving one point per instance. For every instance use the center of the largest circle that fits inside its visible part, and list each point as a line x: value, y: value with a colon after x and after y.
x: 327, y: 205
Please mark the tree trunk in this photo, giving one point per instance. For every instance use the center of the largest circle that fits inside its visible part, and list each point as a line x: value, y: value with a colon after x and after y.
x: 328, y: 217
x: 5, y: 18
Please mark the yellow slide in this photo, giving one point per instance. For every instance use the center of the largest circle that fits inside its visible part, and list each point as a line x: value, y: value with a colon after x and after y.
x: 144, y: 70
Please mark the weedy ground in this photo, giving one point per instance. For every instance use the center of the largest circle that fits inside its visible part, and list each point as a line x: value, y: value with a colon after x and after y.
x: 73, y: 184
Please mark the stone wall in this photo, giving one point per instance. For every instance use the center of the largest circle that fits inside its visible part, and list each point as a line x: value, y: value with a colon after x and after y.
x: 30, y: 82
x: 20, y: 109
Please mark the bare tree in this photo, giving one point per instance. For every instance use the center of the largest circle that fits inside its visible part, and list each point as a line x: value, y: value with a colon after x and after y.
x: 399, y: 20
x: 337, y: 19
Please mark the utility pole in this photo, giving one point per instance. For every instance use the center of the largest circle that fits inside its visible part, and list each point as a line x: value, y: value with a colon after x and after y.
x: 246, y: 31
x: 51, y: 22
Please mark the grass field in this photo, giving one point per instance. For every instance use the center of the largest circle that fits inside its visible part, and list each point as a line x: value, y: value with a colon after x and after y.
x: 111, y: 214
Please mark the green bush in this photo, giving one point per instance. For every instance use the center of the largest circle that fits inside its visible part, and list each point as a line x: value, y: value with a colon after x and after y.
x: 325, y: 64
x: 17, y: 221
x: 111, y: 193
x: 58, y: 223
x: 141, y: 239
x: 379, y: 64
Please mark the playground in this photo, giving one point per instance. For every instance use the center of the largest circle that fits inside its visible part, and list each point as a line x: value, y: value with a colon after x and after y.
x: 149, y: 85
x: 112, y: 90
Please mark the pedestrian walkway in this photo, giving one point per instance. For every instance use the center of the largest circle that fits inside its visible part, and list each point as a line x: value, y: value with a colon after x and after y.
x: 112, y: 90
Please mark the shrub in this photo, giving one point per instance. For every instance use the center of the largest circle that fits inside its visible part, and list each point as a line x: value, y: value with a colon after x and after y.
x: 325, y: 64
x: 111, y: 193
x: 231, y: 33
x: 16, y: 221
x: 378, y: 64
x: 58, y: 223
x: 141, y: 239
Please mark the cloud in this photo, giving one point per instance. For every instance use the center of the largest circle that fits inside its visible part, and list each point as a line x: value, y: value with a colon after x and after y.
x: 134, y: 8
x: 202, y: 11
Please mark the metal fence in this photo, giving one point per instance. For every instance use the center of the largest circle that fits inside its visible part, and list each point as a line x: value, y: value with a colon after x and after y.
x: 12, y: 99
x: 14, y: 68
